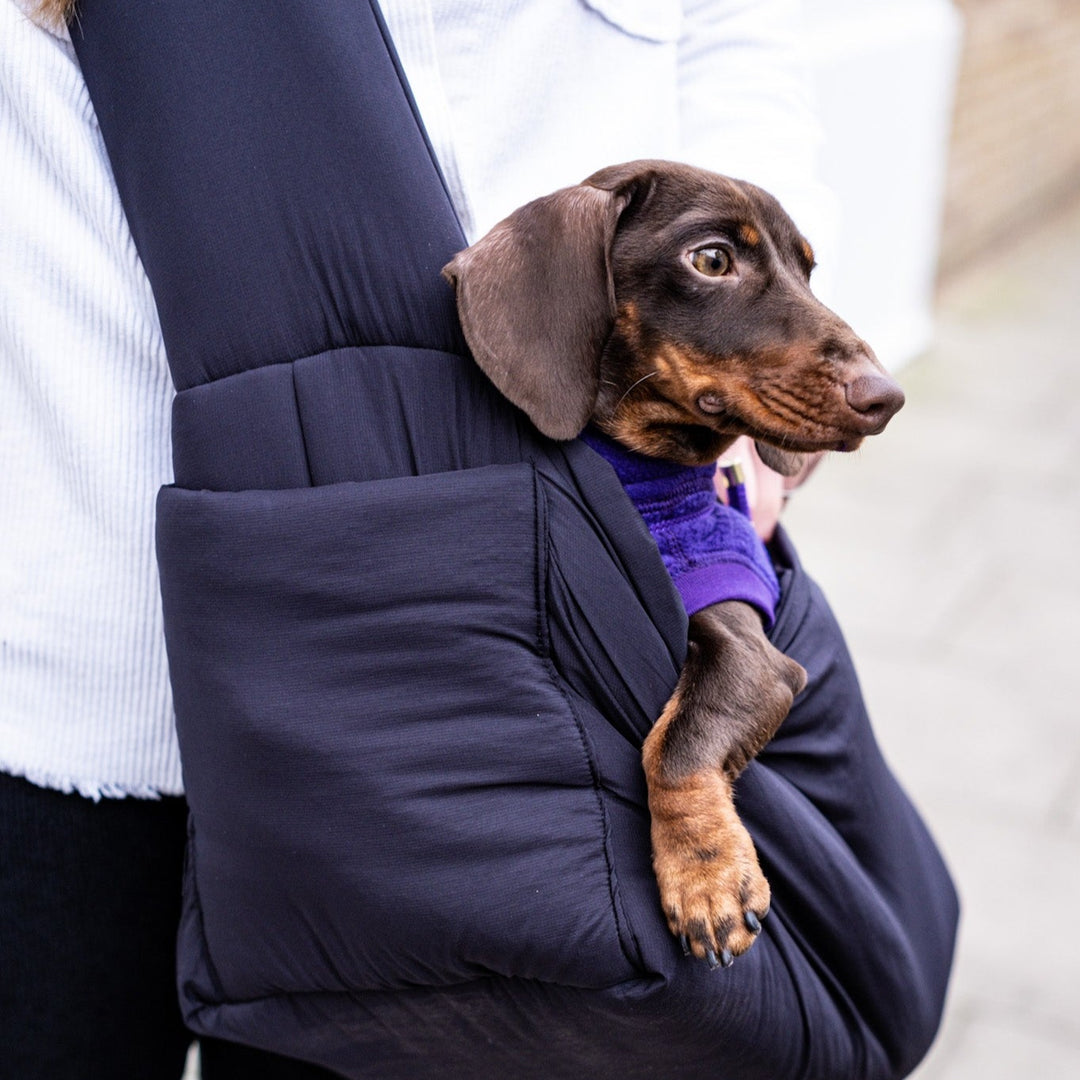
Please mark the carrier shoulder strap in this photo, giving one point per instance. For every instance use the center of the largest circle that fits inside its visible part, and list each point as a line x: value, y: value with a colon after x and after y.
x: 239, y: 143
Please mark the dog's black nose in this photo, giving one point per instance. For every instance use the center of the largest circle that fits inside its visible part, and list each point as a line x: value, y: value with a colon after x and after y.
x: 875, y: 397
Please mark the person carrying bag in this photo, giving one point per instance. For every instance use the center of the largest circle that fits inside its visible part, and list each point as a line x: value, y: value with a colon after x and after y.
x: 415, y: 646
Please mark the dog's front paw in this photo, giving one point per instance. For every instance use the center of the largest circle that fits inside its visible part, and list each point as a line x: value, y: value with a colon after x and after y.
x: 711, y: 886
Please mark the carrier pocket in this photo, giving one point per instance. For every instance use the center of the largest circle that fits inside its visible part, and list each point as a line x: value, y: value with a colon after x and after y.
x: 387, y: 785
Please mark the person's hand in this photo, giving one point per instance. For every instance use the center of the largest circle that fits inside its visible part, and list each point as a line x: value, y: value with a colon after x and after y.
x: 766, y: 490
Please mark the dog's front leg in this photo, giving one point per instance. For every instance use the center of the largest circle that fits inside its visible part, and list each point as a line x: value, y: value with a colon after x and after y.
x: 733, y: 693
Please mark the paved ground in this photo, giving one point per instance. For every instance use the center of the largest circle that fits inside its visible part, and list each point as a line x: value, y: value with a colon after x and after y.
x: 950, y: 549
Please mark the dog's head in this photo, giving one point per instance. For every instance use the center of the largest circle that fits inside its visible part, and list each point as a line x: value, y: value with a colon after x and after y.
x: 672, y: 307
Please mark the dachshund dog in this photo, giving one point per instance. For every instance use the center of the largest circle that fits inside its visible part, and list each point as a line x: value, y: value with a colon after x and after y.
x: 670, y: 308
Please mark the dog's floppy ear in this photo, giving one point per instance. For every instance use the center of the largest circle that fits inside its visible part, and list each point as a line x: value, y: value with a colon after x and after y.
x: 536, y: 303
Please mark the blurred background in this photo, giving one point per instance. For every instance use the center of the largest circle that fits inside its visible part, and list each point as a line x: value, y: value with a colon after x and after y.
x: 949, y: 546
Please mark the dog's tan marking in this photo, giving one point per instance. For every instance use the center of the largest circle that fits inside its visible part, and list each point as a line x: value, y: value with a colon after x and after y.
x: 628, y: 326
x: 664, y: 387
x: 750, y: 235
x: 704, y: 859
x: 808, y: 252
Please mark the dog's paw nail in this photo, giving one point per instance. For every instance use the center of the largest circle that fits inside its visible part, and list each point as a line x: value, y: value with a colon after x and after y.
x: 753, y: 923
x: 726, y: 959
x: 710, y: 959
x: 684, y: 941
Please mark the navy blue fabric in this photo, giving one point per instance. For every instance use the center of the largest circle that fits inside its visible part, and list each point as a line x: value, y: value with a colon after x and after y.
x: 415, y: 647
x: 237, y: 143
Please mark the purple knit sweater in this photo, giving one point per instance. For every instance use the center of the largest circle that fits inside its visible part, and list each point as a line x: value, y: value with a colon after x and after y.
x: 710, y: 550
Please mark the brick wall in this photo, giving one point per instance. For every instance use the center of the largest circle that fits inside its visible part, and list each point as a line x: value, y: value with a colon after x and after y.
x: 1015, y: 153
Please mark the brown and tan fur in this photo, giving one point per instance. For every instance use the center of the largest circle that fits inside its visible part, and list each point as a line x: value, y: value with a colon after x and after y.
x: 671, y: 308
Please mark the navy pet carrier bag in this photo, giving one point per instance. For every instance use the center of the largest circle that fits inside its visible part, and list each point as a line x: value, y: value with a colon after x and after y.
x: 415, y: 646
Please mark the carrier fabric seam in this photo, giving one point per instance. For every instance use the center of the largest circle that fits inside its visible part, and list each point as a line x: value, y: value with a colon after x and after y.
x: 285, y: 995
x: 608, y: 687
x: 301, y: 426
x: 361, y: 346
x: 544, y: 557
x: 577, y: 447
x: 190, y: 869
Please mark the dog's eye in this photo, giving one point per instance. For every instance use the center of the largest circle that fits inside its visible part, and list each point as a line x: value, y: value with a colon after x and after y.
x: 711, y: 261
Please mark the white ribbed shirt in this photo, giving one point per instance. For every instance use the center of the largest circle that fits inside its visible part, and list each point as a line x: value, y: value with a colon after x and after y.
x: 84, y: 442
x: 519, y: 98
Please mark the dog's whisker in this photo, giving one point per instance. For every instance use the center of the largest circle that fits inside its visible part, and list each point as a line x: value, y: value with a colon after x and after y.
x: 635, y: 385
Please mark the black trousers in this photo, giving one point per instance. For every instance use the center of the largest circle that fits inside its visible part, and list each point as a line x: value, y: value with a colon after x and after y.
x: 89, y: 902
